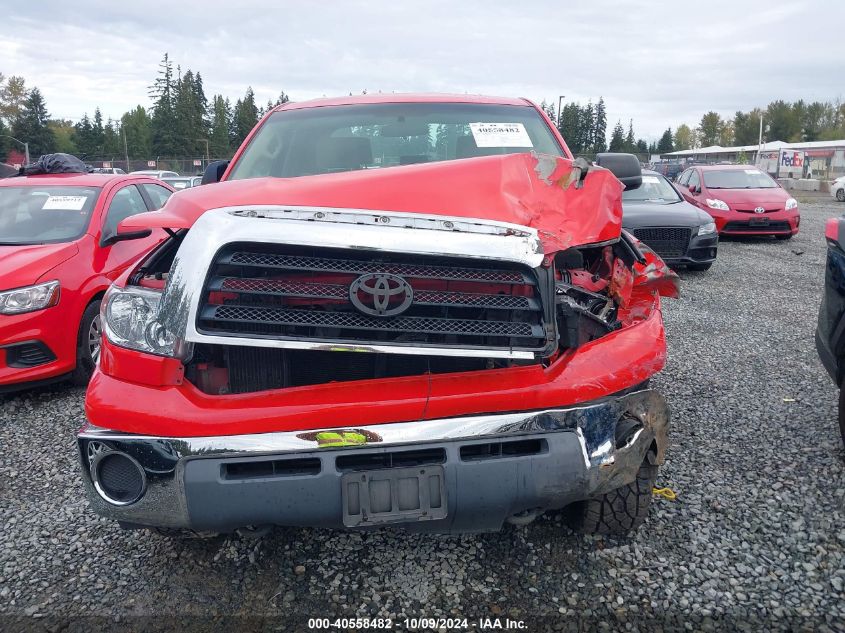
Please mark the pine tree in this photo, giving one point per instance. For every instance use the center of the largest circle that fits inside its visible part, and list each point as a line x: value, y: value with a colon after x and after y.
x: 164, y: 124
x: 283, y: 98
x: 630, y: 142
x: 221, y: 118
x: 112, y: 145
x: 587, y: 127
x: 570, y: 126
x: 98, y: 132
x: 244, y: 117
x: 665, y: 144
x: 137, y: 126
x: 31, y: 125
x: 83, y: 137
x: 617, y: 138
x: 599, y: 142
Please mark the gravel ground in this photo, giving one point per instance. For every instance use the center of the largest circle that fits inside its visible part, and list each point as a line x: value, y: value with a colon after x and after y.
x: 757, y: 529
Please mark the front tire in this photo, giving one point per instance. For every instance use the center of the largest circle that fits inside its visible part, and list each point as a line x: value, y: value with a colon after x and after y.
x: 840, y: 195
x: 87, y: 344
x: 617, y: 512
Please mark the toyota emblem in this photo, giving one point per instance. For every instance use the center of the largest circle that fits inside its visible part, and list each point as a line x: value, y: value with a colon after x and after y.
x: 381, y: 294
x: 759, y: 210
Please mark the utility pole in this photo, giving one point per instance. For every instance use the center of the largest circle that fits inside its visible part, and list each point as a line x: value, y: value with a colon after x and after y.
x: 760, y: 140
x: 559, y: 108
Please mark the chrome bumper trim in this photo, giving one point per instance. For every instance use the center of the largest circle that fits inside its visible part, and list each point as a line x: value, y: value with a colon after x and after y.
x: 592, y: 425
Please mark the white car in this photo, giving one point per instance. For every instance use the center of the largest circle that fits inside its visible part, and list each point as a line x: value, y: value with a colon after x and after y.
x: 837, y: 189
x: 156, y: 173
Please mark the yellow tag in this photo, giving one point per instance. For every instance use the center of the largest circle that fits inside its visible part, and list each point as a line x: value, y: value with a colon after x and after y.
x: 332, y: 439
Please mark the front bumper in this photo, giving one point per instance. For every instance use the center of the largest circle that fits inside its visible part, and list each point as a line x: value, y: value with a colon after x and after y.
x: 46, y: 330
x: 739, y: 223
x: 702, y: 249
x: 495, y: 468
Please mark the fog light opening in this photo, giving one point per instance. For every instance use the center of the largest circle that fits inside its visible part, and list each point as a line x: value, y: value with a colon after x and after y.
x: 118, y: 478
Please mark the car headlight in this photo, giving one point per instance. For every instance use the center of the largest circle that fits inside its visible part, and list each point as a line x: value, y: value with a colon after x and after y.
x: 30, y: 298
x: 130, y: 318
x: 715, y: 203
x: 792, y: 203
x: 707, y: 229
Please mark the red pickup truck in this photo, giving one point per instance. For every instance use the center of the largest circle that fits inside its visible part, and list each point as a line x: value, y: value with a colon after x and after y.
x: 399, y: 309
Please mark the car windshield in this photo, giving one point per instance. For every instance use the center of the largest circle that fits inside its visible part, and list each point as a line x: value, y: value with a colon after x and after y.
x: 40, y: 215
x: 738, y: 179
x: 653, y: 189
x: 324, y: 140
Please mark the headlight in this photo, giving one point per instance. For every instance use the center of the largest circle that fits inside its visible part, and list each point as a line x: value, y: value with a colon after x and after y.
x: 707, y: 229
x: 715, y: 203
x: 792, y: 203
x: 29, y: 299
x: 130, y: 316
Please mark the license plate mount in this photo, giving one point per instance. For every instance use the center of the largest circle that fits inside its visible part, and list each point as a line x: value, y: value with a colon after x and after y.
x: 394, y: 495
x: 758, y: 222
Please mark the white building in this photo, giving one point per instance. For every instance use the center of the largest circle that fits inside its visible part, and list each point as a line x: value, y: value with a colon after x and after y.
x: 825, y: 159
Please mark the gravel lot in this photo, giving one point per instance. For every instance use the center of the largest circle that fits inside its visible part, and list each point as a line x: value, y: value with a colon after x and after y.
x: 757, y: 530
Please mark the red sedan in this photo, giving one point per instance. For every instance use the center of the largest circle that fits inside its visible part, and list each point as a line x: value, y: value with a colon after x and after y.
x: 742, y: 200
x: 59, y: 252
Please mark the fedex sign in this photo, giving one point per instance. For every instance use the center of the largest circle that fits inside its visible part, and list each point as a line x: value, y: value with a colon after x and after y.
x: 791, y: 163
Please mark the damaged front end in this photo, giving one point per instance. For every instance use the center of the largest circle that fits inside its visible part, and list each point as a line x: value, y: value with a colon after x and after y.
x: 516, y: 330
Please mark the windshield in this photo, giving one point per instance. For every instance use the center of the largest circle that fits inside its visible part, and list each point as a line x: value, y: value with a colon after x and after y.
x: 738, y: 179
x: 323, y: 140
x: 39, y: 215
x: 653, y: 189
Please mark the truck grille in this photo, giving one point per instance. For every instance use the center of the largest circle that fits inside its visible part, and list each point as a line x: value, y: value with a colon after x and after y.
x: 346, y: 296
x: 667, y: 241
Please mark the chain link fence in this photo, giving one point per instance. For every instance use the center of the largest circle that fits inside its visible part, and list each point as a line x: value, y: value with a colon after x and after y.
x: 183, y: 166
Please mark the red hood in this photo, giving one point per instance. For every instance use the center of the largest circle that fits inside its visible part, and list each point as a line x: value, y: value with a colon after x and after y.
x: 523, y: 189
x: 750, y: 197
x: 25, y: 265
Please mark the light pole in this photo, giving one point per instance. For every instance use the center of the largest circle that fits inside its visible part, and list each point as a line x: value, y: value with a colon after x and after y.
x: 25, y: 146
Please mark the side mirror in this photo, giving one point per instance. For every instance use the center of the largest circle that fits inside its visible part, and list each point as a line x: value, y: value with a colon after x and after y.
x: 694, y: 190
x: 626, y: 167
x: 123, y: 237
x: 214, y: 172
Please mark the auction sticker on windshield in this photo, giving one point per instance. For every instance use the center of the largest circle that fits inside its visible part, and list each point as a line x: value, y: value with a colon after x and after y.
x: 65, y: 203
x: 654, y: 180
x: 500, y: 135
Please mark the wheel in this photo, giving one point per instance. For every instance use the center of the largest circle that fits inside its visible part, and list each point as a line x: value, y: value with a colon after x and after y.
x: 840, y: 195
x: 617, y: 512
x: 701, y: 267
x: 87, y: 344
x: 842, y: 413
x: 788, y: 236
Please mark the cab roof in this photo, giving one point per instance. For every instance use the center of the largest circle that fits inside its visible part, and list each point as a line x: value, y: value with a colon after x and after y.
x: 426, y: 97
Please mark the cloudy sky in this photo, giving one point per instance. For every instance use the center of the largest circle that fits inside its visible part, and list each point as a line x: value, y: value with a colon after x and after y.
x: 660, y: 63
